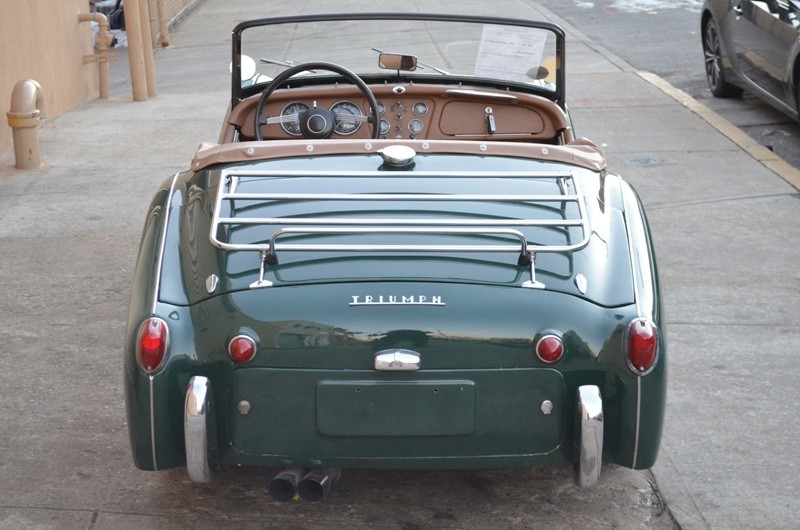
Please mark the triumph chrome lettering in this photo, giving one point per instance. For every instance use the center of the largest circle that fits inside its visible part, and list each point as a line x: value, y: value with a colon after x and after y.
x: 414, y: 299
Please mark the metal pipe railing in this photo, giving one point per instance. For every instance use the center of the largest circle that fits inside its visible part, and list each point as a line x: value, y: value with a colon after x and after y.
x: 24, y: 117
x: 102, y: 57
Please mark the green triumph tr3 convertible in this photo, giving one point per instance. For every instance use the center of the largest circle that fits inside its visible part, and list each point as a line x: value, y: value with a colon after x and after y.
x: 397, y: 255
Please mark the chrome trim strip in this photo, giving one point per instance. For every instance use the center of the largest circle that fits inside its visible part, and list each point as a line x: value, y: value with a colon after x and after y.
x: 638, y: 420
x: 486, y: 135
x: 642, y: 310
x: 479, y: 94
x: 197, y: 427
x: 152, y: 425
x: 160, y: 258
x: 638, y: 298
x: 588, y: 459
x: 156, y: 288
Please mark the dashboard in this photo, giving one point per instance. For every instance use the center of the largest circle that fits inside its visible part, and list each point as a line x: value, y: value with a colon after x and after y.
x: 407, y: 111
x: 351, y: 115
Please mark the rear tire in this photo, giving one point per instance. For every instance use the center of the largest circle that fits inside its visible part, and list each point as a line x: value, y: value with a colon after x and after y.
x: 715, y: 72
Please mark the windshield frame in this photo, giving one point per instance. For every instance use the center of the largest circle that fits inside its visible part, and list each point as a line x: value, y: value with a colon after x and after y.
x: 238, y: 93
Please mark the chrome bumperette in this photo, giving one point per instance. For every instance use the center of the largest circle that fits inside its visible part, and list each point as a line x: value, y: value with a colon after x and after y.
x: 588, y: 457
x: 199, y: 430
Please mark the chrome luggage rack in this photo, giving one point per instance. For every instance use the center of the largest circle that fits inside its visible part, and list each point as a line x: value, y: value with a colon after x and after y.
x: 508, y: 229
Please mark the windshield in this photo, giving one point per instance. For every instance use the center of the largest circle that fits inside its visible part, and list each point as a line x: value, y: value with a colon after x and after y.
x: 516, y: 54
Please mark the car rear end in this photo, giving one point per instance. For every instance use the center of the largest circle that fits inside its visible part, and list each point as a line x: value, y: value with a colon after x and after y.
x: 448, y: 311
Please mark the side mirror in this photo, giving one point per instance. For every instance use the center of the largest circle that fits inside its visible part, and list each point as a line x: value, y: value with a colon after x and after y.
x: 394, y: 61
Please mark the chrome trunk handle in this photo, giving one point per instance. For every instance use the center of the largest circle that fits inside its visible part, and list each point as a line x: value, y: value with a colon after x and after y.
x: 397, y: 360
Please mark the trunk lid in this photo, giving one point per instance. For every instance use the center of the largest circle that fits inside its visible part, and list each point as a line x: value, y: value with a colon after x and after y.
x: 445, y: 218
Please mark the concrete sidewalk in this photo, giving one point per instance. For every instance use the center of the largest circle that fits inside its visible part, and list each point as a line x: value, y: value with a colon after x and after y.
x: 725, y: 228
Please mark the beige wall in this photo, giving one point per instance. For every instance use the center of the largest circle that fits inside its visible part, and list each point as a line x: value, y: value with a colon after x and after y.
x: 43, y: 40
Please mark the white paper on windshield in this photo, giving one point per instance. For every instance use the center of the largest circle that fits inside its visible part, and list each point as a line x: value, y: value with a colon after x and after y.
x: 508, y: 52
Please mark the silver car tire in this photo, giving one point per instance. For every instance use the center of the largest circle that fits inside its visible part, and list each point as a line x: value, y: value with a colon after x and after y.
x: 715, y: 71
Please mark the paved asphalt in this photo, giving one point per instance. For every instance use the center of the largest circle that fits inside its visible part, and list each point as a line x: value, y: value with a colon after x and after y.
x: 724, y: 215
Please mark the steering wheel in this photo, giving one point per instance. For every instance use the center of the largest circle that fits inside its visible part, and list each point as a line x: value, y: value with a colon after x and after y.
x: 316, y: 123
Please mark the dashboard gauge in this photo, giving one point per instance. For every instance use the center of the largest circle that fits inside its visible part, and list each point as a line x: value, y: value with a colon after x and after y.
x: 384, y: 126
x: 419, y: 109
x: 381, y: 108
x: 415, y: 127
x: 290, y: 117
x: 348, y: 117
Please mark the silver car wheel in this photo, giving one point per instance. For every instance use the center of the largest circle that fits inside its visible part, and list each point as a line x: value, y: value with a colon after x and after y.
x: 715, y: 74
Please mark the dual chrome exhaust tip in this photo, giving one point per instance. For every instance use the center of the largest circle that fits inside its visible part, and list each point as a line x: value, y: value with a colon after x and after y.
x: 308, y: 485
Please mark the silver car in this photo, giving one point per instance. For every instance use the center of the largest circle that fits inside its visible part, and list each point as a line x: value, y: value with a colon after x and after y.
x: 755, y: 46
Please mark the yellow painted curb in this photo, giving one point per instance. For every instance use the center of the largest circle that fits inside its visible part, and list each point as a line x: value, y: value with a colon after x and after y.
x: 769, y: 159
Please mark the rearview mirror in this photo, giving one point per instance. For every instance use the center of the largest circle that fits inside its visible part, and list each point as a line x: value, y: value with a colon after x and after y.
x: 394, y: 61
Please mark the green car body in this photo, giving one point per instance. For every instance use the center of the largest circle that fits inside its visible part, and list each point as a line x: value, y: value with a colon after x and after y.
x: 395, y: 316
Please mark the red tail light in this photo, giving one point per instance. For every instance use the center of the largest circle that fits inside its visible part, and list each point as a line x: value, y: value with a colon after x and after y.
x: 242, y: 348
x: 550, y: 348
x: 151, y: 344
x: 641, y: 345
